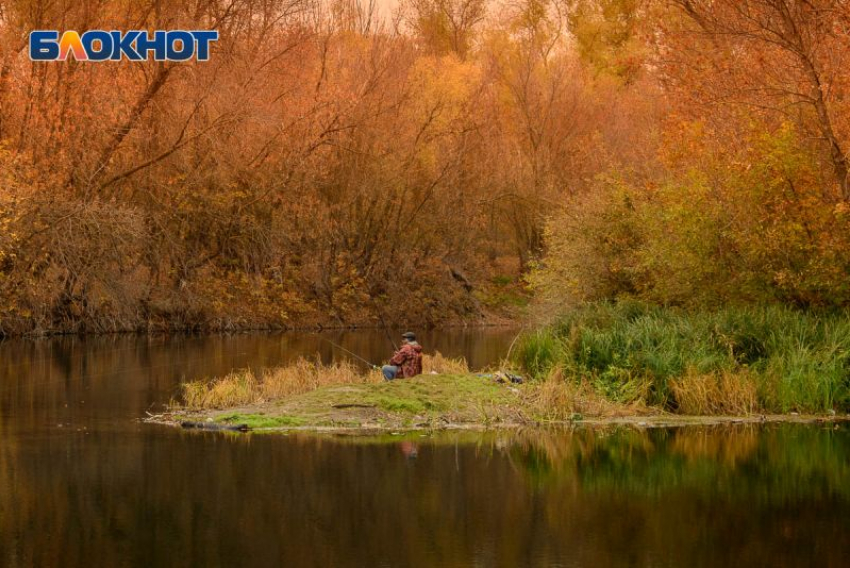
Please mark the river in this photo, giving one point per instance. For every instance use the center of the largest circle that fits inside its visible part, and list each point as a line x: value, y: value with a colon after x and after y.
x: 83, y: 483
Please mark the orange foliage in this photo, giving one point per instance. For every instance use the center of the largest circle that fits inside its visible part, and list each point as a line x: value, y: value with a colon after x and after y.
x: 320, y: 168
x: 329, y: 165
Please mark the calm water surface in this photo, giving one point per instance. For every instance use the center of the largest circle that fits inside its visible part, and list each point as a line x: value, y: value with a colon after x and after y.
x: 82, y: 483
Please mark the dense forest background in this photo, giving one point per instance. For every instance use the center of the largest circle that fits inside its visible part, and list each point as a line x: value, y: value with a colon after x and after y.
x: 338, y: 164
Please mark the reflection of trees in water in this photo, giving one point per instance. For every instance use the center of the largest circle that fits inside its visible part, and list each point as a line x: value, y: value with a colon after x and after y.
x: 530, y: 499
x: 710, y: 496
x: 797, y: 462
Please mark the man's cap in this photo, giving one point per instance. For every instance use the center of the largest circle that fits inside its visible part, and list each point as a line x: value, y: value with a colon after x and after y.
x: 409, y: 335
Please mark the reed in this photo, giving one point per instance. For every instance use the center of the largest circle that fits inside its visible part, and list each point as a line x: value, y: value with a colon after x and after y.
x: 734, y: 360
x: 557, y: 400
x: 244, y: 387
x: 442, y: 365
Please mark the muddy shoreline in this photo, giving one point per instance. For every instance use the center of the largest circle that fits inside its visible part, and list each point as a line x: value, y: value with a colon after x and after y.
x: 179, y: 420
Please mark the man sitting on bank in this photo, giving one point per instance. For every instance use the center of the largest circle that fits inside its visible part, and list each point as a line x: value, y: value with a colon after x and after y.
x: 407, y: 361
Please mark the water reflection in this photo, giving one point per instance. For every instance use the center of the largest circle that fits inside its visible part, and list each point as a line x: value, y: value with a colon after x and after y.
x: 711, y: 497
x: 82, y: 483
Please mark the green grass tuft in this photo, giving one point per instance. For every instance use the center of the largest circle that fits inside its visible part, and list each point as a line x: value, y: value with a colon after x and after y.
x: 261, y: 420
x: 793, y: 360
x: 411, y: 406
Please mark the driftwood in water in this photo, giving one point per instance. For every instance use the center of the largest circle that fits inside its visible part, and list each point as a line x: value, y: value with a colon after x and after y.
x: 214, y: 426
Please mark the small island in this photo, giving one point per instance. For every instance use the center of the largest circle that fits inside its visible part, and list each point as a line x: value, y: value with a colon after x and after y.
x: 442, y: 402
x: 605, y: 364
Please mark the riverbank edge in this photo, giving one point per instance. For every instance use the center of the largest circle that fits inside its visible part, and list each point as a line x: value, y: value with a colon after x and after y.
x: 444, y: 402
x: 636, y: 422
x: 159, y: 331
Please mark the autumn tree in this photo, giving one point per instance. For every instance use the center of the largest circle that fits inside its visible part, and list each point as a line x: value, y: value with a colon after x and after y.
x: 607, y: 34
x: 785, y: 57
x: 445, y: 26
x: 744, y: 198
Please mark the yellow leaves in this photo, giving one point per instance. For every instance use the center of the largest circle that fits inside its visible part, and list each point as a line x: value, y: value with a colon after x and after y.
x: 444, y: 83
x: 756, y: 222
x: 444, y: 88
x: 606, y: 35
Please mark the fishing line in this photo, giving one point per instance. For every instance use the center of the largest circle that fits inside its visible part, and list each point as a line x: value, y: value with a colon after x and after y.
x: 338, y: 346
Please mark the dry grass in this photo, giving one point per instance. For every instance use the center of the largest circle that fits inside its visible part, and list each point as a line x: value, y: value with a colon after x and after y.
x: 558, y: 399
x: 244, y: 387
x: 438, y: 363
x: 713, y: 394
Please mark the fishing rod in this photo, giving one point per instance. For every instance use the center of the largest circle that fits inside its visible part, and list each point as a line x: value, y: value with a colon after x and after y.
x: 338, y: 346
x: 384, y: 325
x: 387, y: 332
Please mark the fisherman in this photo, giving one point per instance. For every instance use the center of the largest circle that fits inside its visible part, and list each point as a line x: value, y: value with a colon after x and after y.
x: 407, y: 361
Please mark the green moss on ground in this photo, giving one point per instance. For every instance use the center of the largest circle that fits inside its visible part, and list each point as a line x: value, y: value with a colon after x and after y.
x: 259, y: 421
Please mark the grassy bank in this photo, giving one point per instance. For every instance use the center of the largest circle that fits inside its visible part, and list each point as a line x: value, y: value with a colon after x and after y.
x: 603, y: 363
x: 311, y: 395
x: 730, y: 361
x: 430, y: 401
x: 440, y: 401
